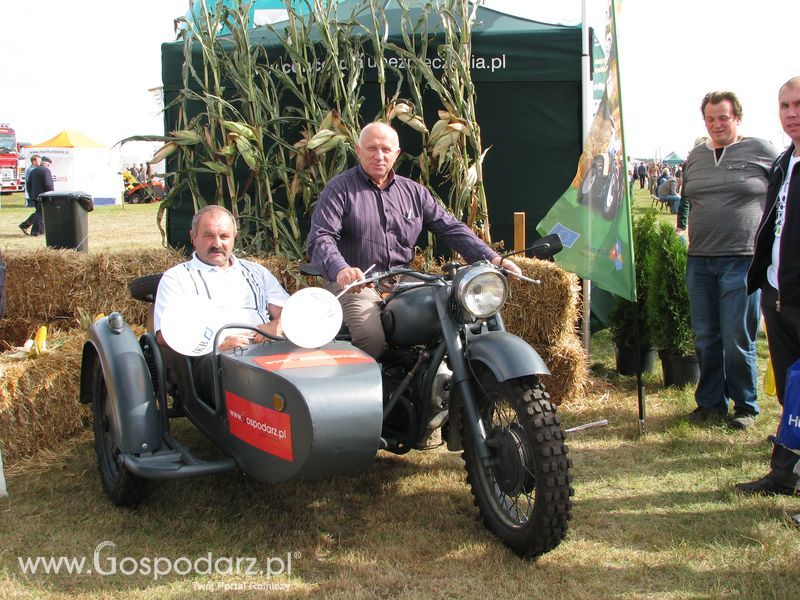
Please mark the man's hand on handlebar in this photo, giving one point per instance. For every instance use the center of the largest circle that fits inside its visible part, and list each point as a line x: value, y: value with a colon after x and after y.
x: 348, y: 275
x: 507, y: 264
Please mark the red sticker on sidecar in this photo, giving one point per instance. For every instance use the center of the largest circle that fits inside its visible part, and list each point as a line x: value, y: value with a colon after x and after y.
x: 264, y: 428
x: 312, y: 358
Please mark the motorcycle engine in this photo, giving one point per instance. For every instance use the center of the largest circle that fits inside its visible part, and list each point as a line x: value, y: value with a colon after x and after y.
x: 440, y: 396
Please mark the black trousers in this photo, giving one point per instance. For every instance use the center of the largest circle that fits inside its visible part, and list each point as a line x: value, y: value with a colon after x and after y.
x: 783, y: 333
x: 35, y: 220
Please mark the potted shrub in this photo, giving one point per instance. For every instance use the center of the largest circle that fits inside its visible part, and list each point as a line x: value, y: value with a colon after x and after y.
x: 667, y: 309
x: 625, y: 316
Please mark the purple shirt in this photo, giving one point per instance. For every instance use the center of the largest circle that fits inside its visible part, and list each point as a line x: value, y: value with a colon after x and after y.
x: 356, y: 224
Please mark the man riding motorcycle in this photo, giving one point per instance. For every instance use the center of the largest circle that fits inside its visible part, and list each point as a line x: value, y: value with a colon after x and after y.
x: 370, y: 217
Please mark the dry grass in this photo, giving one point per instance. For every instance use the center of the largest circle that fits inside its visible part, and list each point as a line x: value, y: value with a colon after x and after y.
x: 654, y: 517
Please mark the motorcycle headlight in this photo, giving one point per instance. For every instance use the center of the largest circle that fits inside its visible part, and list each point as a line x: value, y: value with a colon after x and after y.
x: 481, y: 290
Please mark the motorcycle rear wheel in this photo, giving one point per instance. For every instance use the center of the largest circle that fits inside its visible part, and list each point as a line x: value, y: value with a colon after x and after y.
x: 524, y: 498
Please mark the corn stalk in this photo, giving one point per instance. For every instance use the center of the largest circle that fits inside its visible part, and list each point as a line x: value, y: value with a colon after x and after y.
x: 271, y: 130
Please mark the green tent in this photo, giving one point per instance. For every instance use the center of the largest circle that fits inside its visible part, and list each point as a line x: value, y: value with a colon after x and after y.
x: 673, y: 159
x: 527, y: 79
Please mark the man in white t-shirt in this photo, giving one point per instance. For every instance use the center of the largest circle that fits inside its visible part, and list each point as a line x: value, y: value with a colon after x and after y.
x: 244, y: 291
x: 775, y: 270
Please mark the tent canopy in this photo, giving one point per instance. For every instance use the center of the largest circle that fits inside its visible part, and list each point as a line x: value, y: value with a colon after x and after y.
x: 81, y: 164
x: 673, y: 159
x: 69, y: 139
x: 527, y: 79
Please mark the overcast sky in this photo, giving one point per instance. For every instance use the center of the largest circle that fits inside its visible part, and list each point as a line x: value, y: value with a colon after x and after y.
x: 87, y: 65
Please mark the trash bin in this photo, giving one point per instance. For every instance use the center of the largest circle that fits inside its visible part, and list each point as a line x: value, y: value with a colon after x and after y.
x: 66, y: 222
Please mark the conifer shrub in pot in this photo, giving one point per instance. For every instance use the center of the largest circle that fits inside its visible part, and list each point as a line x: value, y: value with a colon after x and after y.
x: 667, y: 309
x: 626, y: 316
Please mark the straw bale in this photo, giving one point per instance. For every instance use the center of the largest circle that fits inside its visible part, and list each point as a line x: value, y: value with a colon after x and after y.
x: 287, y: 271
x: 569, y: 379
x: 50, y: 284
x: 39, y: 405
x: 38, y: 284
x: 542, y: 314
x: 15, y: 330
x: 103, y: 287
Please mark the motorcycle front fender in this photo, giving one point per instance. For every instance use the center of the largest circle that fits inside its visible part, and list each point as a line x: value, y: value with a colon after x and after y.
x: 507, y: 356
x: 134, y: 416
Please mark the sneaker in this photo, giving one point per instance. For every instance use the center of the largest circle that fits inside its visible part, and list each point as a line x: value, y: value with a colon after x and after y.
x: 24, y: 229
x: 795, y: 519
x: 742, y: 420
x: 766, y: 486
x: 705, y: 415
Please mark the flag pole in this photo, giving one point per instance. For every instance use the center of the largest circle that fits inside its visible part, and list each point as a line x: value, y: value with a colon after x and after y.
x: 629, y: 191
x: 586, y: 119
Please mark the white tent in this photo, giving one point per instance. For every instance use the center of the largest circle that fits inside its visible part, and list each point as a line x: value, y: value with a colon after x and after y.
x: 82, y: 165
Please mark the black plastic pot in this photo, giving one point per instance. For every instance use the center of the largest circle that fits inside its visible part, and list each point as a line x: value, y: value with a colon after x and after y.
x: 679, y: 370
x: 626, y: 359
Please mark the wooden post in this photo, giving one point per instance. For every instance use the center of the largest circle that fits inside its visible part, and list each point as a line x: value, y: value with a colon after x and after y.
x: 519, y: 231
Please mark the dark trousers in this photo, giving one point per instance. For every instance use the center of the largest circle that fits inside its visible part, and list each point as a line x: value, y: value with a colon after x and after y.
x: 35, y: 220
x: 783, y: 334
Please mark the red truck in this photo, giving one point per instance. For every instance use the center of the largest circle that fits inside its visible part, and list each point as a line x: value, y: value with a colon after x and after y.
x: 10, y: 180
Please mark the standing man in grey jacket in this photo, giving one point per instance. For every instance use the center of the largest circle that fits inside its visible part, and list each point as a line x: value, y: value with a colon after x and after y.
x: 726, y: 184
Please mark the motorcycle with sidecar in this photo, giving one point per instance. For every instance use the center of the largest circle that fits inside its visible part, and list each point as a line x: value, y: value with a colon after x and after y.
x: 280, y: 411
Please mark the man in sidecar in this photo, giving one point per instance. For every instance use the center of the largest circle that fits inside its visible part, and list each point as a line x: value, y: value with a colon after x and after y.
x: 369, y: 216
x: 244, y: 291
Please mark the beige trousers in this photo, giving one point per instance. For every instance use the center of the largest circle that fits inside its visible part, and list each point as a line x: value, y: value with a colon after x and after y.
x: 362, y: 315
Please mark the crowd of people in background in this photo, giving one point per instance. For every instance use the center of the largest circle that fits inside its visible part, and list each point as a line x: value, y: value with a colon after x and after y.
x: 663, y: 180
x: 142, y: 172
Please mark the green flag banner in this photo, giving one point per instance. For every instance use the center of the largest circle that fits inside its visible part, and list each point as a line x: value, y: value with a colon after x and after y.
x: 593, y: 216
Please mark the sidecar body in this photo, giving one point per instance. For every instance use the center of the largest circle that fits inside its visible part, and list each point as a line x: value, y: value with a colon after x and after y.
x: 277, y: 411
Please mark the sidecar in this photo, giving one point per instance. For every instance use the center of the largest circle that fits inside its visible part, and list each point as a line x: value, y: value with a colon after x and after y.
x: 277, y: 411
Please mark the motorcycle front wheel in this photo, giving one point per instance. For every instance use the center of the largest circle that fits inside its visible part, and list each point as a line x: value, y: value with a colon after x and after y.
x: 524, y: 495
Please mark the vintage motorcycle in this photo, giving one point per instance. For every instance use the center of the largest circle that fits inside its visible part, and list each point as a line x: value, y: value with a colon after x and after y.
x: 281, y: 411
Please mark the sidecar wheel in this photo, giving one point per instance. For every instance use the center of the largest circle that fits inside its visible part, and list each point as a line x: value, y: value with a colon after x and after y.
x: 524, y: 498
x: 124, y: 488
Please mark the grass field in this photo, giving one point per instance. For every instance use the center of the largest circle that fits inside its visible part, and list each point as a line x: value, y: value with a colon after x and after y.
x: 655, y: 516
x: 110, y: 227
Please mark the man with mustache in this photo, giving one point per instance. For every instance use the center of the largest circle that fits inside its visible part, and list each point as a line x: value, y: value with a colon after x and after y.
x: 243, y: 290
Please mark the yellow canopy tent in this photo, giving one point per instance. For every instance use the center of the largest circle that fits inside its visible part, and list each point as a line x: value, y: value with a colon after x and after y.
x: 81, y: 164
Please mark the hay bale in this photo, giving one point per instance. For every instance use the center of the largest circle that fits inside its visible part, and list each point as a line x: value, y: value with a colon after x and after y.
x: 39, y: 405
x: 49, y: 284
x: 542, y: 314
x: 15, y: 330
x: 569, y: 379
x: 103, y: 284
x: 38, y: 284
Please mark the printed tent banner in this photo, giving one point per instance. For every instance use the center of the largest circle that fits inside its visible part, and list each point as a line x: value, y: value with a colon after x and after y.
x: 82, y: 165
x: 527, y: 77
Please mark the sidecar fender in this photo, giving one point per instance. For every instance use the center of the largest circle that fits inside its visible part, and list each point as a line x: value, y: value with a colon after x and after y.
x: 132, y: 409
x: 508, y: 356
